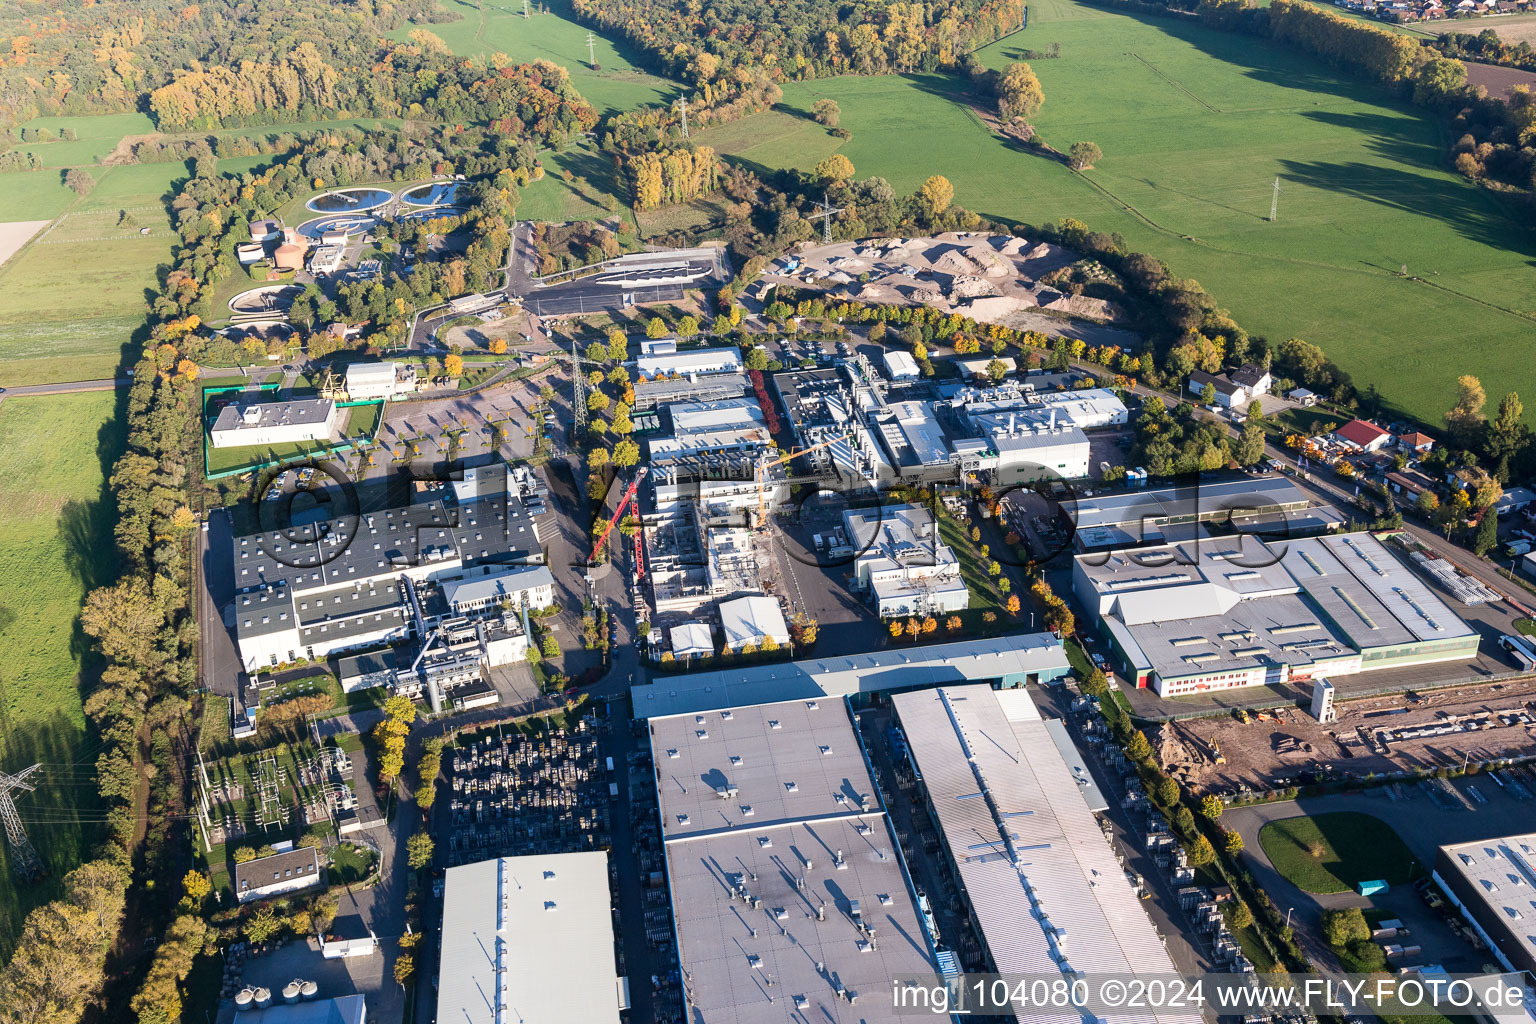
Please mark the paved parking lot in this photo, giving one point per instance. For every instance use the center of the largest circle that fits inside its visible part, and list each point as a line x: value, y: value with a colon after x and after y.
x: 429, y: 422
x: 846, y: 623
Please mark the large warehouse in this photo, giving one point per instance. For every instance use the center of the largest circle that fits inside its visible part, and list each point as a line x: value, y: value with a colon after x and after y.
x: 241, y: 424
x: 789, y: 895
x: 1493, y: 883
x: 1009, y: 661
x: 1045, y: 890
x: 529, y: 939
x: 311, y: 590
x: 1272, y: 506
x: 1221, y: 614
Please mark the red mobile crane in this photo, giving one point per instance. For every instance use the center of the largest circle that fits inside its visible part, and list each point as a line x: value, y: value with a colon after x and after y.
x: 618, y: 513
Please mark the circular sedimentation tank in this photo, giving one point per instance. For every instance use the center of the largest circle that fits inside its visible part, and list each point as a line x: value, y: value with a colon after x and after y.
x: 350, y: 200
x: 433, y: 193
x: 266, y: 299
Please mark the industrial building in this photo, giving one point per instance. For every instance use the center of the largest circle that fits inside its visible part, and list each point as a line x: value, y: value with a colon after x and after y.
x: 1032, y: 445
x: 1086, y: 408
x: 899, y: 365
x: 707, y: 433
x: 1211, y: 615
x: 354, y: 582
x: 652, y: 394
x: 242, y: 424
x: 789, y: 895
x: 1006, y: 661
x: 1272, y: 507
x: 529, y: 939
x: 748, y: 621
x: 902, y: 563
x: 287, y: 871
x: 369, y: 381
x: 700, y: 361
x: 1044, y: 888
x: 1493, y: 883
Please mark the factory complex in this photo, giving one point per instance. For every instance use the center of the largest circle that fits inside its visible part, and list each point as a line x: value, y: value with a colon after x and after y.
x: 1219, y: 614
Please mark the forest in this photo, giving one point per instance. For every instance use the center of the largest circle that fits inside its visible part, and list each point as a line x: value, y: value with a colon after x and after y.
x: 720, y: 45
x: 81, y: 57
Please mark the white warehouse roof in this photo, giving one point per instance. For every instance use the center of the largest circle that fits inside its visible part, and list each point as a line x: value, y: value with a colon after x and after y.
x: 1012, y: 658
x: 1045, y: 886
x: 747, y: 620
x: 529, y: 939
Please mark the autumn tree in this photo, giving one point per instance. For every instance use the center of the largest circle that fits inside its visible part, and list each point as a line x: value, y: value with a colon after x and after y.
x: 1012, y: 604
x: 158, y: 1000
x: 1083, y: 155
x: 626, y: 453
x: 656, y: 328
x: 1466, y: 419
x: 405, y: 966
x: 936, y: 194
x: 1018, y: 92
x: 454, y: 365
x: 833, y: 169
x: 1508, y: 436
x: 79, y: 181
x: 418, y: 850
x: 1212, y: 807
x: 827, y: 112
x: 498, y: 346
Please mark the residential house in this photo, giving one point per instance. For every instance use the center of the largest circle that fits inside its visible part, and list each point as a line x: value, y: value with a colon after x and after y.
x: 1303, y: 397
x: 1415, y: 442
x: 1409, y: 482
x: 1235, y: 388
x: 1367, y: 437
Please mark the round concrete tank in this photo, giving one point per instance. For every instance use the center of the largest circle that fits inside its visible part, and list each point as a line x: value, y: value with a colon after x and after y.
x: 291, y: 991
x: 243, y: 999
x: 309, y: 990
x: 289, y: 257
x: 262, y: 997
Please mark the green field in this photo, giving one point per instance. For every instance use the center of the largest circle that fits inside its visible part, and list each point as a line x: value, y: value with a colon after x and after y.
x: 500, y: 26
x: 1195, y: 126
x: 96, y: 136
x: 1331, y: 852
x: 73, y: 298
x: 57, y: 543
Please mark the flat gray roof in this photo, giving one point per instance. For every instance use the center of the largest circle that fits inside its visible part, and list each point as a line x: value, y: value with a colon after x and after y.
x: 752, y: 767
x: 1044, y: 885
x: 274, y: 414
x: 1016, y: 655
x: 529, y: 939
x: 747, y: 885
x: 1160, y: 504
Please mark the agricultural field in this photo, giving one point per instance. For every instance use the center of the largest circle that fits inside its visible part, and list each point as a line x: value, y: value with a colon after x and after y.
x: 1327, y: 853
x: 619, y: 84
x: 73, y: 298
x: 57, y: 544
x: 1195, y: 126
x: 96, y: 136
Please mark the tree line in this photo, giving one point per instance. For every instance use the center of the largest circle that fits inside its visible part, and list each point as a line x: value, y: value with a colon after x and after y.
x: 715, y: 46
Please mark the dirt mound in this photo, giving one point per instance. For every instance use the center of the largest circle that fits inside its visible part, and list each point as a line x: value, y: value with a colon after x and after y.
x: 970, y: 287
x: 955, y: 262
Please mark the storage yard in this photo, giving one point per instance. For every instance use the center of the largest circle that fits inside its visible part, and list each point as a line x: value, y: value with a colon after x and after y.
x: 512, y: 795
x: 1371, y: 737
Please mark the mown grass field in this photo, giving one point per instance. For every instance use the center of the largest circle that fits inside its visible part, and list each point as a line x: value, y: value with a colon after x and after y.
x: 73, y: 298
x: 1195, y: 126
x: 57, y: 544
x: 1332, y: 852
x: 619, y: 84
x: 96, y: 135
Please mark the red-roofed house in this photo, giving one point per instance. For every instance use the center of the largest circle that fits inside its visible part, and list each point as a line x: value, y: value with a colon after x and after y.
x: 1415, y: 442
x: 1367, y: 437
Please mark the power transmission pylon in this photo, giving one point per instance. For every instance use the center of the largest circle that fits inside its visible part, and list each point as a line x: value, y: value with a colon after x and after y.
x: 591, y: 51
x: 1274, y: 202
x: 683, y: 106
x: 578, y: 400
x: 825, y: 211
x: 24, y: 859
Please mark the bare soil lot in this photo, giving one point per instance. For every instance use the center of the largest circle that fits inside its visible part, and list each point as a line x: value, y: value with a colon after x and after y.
x: 1371, y: 737
x: 1501, y: 81
x: 15, y: 234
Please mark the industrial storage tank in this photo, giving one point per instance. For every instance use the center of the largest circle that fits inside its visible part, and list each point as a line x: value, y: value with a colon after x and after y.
x: 244, y: 998
x: 291, y: 991
x: 289, y: 256
x: 262, y: 998
x: 309, y: 990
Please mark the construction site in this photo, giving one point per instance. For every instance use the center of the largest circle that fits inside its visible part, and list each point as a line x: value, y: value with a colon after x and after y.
x: 1405, y: 733
x: 991, y: 278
